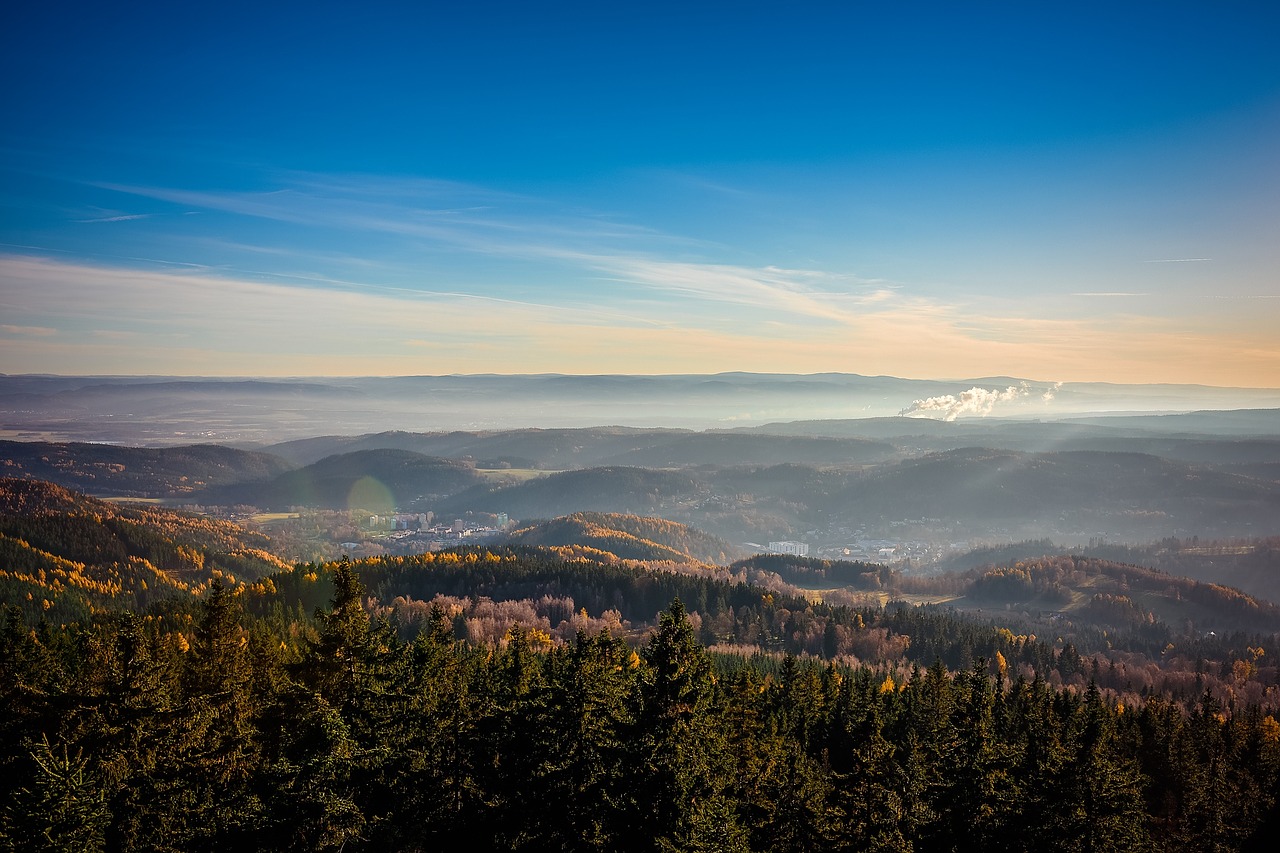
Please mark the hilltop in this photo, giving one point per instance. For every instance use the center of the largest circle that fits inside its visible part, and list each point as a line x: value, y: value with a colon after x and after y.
x: 628, y: 537
x: 108, y: 469
x: 378, y: 480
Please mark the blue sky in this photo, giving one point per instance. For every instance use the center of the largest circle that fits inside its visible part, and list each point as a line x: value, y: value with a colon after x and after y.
x: 1062, y: 192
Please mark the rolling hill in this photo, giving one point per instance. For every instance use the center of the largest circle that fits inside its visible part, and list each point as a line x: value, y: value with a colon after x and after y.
x: 106, y: 469
x: 1136, y: 495
x: 376, y: 480
x: 628, y: 537
x: 635, y: 491
x: 1109, y: 596
x: 558, y: 449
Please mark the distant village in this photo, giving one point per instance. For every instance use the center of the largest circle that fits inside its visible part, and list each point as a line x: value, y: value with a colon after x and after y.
x: 332, y: 533
x: 887, y: 551
x: 417, y: 533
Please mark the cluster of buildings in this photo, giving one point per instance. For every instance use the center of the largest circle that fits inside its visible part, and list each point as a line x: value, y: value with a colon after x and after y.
x: 415, y: 533
x: 795, y: 549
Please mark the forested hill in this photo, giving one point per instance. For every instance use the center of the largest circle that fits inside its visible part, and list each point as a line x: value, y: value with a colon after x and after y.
x: 64, y: 556
x: 1126, y: 650
x: 376, y: 480
x: 636, y: 491
x: 1110, y: 595
x: 724, y: 483
x: 1252, y: 565
x: 602, y: 446
x: 1087, y: 489
x: 628, y: 537
x: 136, y: 471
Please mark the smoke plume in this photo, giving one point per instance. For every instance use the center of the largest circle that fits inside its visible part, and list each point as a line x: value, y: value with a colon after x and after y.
x: 975, y: 401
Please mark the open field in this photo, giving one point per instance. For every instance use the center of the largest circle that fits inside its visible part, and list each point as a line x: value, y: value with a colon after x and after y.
x: 32, y: 435
x: 268, y: 517
x: 922, y: 599
x: 518, y: 475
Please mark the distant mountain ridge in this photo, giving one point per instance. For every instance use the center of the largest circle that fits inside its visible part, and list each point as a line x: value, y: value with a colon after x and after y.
x: 168, y: 410
x: 601, y: 446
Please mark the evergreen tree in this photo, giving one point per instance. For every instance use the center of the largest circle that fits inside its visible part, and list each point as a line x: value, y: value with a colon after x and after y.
x: 591, y: 713
x: 1100, y: 796
x: 64, y: 809
x: 864, y: 764
x: 681, y: 755
x: 221, y: 726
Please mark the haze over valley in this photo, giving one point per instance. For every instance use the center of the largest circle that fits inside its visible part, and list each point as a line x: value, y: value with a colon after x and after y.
x: 157, y: 410
x: 950, y: 468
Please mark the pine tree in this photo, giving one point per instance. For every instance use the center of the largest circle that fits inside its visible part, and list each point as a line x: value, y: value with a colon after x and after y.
x: 802, y: 819
x: 681, y: 756
x: 983, y: 792
x: 864, y: 764
x: 1100, y: 795
x: 219, y: 717
x: 64, y: 809
x: 591, y: 712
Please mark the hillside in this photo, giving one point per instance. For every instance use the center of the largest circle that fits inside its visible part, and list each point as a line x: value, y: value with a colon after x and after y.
x: 375, y: 480
x: 1070, y: 493
x: 1079, y: 592
x: 1250, y: 565
x: 1069, y: 496
x: 734, y: 449
x: 64, y: 555
x: 628, y: 537
x: 558, y: 449
x: 523, y: 448
x: 634, y: 491
x: 136, y: 471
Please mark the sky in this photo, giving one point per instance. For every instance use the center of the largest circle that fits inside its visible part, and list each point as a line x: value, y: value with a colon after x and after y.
x: 1051, y: 191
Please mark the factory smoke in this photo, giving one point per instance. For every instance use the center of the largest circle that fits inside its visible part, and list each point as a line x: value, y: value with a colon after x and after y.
x: 975, y: 401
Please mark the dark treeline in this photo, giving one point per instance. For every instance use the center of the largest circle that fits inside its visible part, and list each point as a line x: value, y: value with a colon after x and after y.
x: 815, y: 572
x: 207, y: 729
x: 1129, y: 659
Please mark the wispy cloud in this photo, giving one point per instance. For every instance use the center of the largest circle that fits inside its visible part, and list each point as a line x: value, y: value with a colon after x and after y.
x: 1178, y: 261
x: 462, y: 215
x: 805, y: 293
x: 520, y: 228
x: 124, y: 217
x: 420, y: 275
x: 32, y: 331
x: 129, y: 320
x: 246, y: 319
